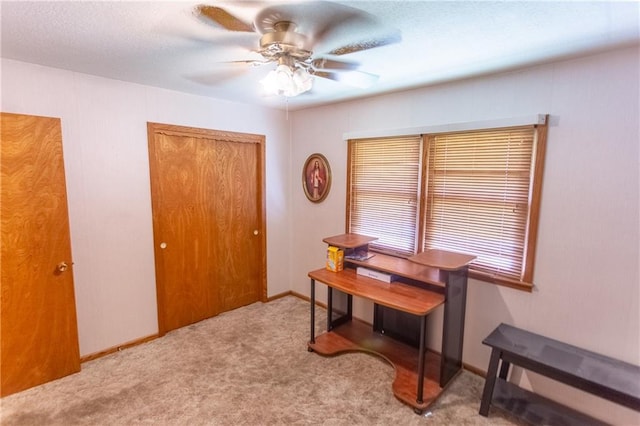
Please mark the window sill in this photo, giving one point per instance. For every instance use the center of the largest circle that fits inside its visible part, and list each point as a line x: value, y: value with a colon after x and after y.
x: 503, y: 281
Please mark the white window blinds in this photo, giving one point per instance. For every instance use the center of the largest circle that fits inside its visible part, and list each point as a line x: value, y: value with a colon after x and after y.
x: 383, y: 193
x: 478, y: 196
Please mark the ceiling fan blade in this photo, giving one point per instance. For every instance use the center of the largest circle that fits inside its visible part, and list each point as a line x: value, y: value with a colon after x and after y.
x: 333, y: 64
x: 252, y: 62
x: 338, y: 17
x: 221, y: 17
x: 352, y: 78
x: 312, y: 18
x: 326, y: 74
x: 394, y: 37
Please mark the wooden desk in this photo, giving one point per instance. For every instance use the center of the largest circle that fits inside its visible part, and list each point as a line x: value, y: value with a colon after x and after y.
x: 420, y: 376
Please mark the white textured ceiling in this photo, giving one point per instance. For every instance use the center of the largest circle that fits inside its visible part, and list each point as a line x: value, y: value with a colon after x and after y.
x: 164, y: 44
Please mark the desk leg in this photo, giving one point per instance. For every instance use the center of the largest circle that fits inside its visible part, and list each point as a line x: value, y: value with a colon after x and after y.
x: 421, y: 351
x: 329, y: 308
x: 453, y: 326
x: 313, y: 311
x: 489, y: 383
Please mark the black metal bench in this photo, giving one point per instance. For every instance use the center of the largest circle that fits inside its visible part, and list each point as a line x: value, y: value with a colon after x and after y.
x: 606, y: 377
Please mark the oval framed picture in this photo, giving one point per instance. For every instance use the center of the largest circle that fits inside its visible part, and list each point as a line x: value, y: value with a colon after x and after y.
x: 316, y: 178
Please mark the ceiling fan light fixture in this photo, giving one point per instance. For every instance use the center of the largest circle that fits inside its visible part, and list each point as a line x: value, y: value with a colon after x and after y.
x: 302, y: 79
x: 287, y: 82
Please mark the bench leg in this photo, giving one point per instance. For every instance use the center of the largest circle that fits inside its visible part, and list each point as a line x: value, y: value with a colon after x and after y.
x: 504, y: 369
x: 489, y: 382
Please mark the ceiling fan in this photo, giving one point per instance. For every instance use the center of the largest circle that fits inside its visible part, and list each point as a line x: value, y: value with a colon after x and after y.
x: 305, y: 40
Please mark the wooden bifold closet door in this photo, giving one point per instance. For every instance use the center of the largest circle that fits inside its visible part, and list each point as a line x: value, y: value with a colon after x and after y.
x: 38, y: 312
x: 207, y: 192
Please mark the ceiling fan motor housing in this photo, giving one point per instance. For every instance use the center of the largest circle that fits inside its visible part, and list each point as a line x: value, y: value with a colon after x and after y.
x: 284, y: 41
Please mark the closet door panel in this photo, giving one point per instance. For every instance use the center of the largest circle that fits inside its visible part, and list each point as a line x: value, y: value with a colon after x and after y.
x: 238, y: 224
x: 182, y: 192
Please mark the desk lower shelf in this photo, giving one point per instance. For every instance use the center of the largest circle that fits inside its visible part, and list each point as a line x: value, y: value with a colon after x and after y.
x: 358, y: 336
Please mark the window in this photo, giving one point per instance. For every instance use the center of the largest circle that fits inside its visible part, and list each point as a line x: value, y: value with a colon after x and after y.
x: 472, y: 192
x: 384, y: 182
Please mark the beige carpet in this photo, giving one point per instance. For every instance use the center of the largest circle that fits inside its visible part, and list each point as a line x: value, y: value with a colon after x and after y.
x: 246, y: 367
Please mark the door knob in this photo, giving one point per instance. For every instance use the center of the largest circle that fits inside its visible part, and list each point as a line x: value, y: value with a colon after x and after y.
x: 62, y: 266
x: 255, y: 232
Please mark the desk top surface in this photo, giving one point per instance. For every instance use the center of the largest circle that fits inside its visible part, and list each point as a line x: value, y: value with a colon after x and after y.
x: 349, y: 240
x: 442, y: 259
x: 395, y: 295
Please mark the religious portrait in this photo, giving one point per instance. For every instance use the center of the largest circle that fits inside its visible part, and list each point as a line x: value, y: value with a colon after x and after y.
x: 316, y: 178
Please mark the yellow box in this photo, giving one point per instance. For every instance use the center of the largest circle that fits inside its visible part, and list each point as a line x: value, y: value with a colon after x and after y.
x: 335, y: 259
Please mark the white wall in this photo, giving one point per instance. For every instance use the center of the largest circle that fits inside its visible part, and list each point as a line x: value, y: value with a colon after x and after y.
x: 107, y: 169
x: 587, y: 278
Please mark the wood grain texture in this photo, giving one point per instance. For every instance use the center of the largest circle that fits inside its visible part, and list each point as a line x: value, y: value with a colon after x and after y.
x: 396, y: 295
x: 536, y: 196
x: 39, y: 340
x: 237, y: 215
x: 349, y: 240
x: 357, y: 336
x: 181, y: 190
x: 207, y: 200
x: 401, y: 267
x: 442, y: 259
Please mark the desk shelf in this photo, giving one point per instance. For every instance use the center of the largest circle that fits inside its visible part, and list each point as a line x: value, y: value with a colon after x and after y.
x: 402, y: 268
x: 356, y: 336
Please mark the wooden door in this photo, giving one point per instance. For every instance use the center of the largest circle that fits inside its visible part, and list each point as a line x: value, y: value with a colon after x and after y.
x: 207, y: 201
x: 237, y: 225
x: 39, y: 333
